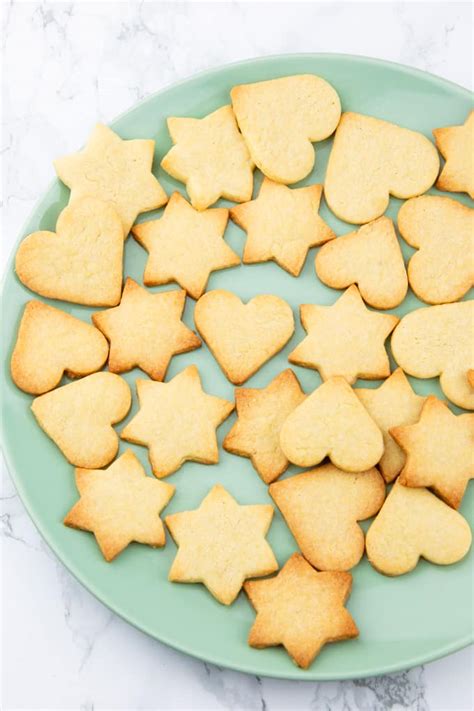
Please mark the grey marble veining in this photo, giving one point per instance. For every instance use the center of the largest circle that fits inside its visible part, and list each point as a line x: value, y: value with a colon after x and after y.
x: 67, y: 65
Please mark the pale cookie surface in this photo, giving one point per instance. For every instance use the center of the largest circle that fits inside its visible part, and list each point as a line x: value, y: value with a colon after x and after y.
x: 79, y: 417
x: 437, y: 340
x: 177, y: 421
x: 281, y: 118
x: 345, y: 339
x: 146, y: 330
x: 439, y: 450
x: 282, y: 224
x: 221, y: 543
x: 442, y: 230
x: 261, y: 414
x: 372, y: 159
x: 242, y: 337
x: 119, y: 505
x: 456, y: 145
x: 301, y: 609
x: 332, y: 423
x: 50, y: 343
x: 371, y: 258
x: 322, y: 508
x: 116, y: 171
x: 80, y: 262
x: 210, y: 157
x: 185, y: 246
x: 414, y: 524
x: 392, y: 404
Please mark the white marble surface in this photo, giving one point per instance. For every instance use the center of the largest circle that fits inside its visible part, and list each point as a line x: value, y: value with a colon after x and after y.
x: 67, y: 65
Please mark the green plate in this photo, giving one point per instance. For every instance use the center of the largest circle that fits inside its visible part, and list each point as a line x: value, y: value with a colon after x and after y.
x: 403, y: 621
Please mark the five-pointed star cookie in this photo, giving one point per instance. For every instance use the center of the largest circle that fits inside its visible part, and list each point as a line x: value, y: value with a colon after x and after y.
x: 440, y: 451
x: 261, y: 413
x: 116, y: 171
x: 345, y: 339
x: 177, y: 421
x: 185, y: 245
x: 146, y: 330
x: 456, y: 145
x: 221, y: 544
x: 393, y: 404
x: 301, y: 609
x: 210, y: 157
x: 119, y: 505
x: 282, y: 224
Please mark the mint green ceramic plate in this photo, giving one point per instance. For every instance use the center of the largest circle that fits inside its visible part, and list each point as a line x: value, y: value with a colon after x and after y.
x: 403, y: 621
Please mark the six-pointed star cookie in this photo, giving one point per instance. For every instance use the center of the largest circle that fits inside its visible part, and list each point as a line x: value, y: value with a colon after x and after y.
x: 301, y: 609
x: 119, y: 505
x: 261, y: 413
x: 146, y: 330
x: 210, y: 157
x: 185, y: 245
x: 116, y: 171
x: 393, y: 404
x: 440, y: 451
x: 345, y: 339
x: 221, y: 544
x: 177, y: 422
x: 282, y: 224
x: 456, y: 145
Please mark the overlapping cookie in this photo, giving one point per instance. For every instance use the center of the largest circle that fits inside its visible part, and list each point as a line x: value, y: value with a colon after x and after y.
x: 117, y: 172
x: 281, y: 118
x: 372, y: 259
x: 372, y: 159
x: 442, y: 230
x: 456, y: 145
x: 209, y: 155
x: 51, y: 343
x: 80, y: 262
x: 322, y: 508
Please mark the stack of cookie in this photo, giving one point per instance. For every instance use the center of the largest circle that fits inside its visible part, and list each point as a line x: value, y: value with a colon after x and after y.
x: 353, y: 441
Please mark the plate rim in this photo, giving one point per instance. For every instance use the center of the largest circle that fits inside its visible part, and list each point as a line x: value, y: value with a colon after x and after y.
x: 291, y: 675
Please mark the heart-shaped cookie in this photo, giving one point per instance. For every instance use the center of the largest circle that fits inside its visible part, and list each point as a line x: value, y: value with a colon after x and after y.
x: 242, y: 337
x: 51, y: 342
x: 371, y: 258
x: 280, y: 119
x: 332, y: 422
x: 322, y: 508
x: 81, y: 261
x: 79, y: 417
x: 414, y: 523
x: 442, y: 230
x: 373, y: 159
x: 437, y: 340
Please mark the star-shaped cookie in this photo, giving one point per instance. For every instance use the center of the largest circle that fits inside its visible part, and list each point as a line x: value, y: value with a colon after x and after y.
x: 210, y: 157
x: 282, y: 224
x: 393, y: 404
x: 301, y: 609
x: 456, y: 145
x: 221, y: 544
x: 146, y: 330
x: 439, y: 450
x: 177, y: 421
x: 185, y: 246
x: 119, y: 505
x: 345, y: 339
x: 261, y: 413
x: 116, y: 171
